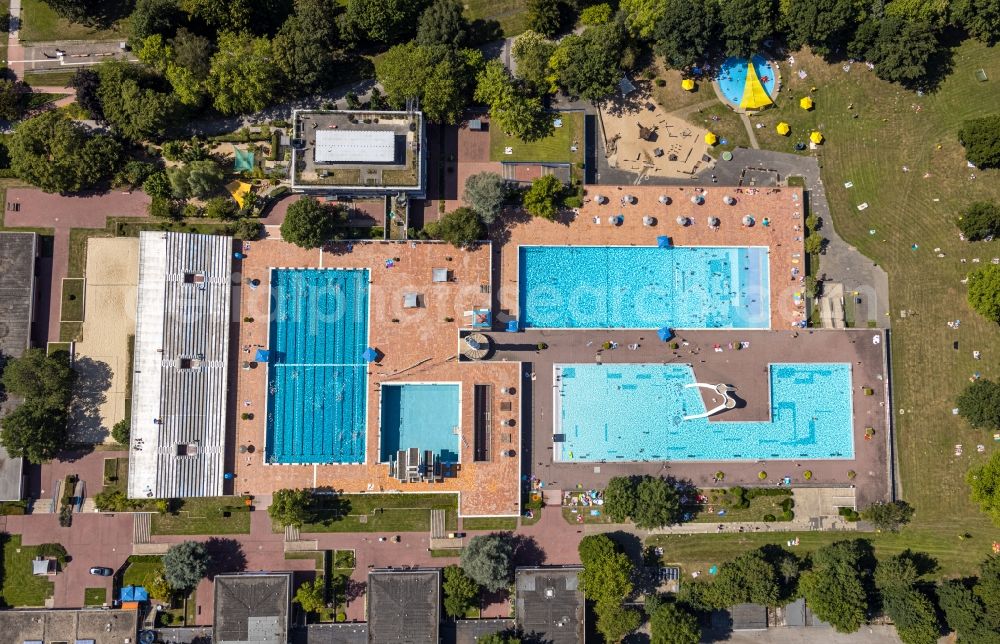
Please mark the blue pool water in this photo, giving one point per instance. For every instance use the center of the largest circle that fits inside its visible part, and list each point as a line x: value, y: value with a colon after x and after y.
x: 634, y: 412
x: 423, y: 416
x: 644, y: 287
x: 317, y: 380
x: 733, y: 77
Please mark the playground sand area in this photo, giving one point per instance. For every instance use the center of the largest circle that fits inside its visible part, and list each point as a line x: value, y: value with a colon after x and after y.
x: 641, y: 137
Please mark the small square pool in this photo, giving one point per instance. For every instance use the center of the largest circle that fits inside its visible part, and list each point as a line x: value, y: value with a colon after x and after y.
x: 422, y: 415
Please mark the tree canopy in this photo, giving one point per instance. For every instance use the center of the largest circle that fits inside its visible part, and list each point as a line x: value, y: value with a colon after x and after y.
x: 291, y: 507
x: 649, y: 501
x: 543, y: 197
x: 443, y: 23
x: 310, y: 224
x: 607, y: 571
x: 383, y: 22
x: 981, y: 139
x: 460, y: 592
x: 747, y: 578
x: 14, y: 98
x: 34, y: 431
x: 488, y: 560
x: 57, y: 155
x: 486, y: 193
x: 888, y: 515
x: 532, y: 52
x: 462, y: 228
x: 979, y: 220
x: 671, y: 624
x: 984, y: 292
x: 185, y: 564
x: 243, y: 77
x: 130, y: 102
x: 984, y: 482
x: 911, y: 611
x: 837, y: 586
x: 310, y: 595
x: 441, y: 77
x: 620, y: 499
x: 877, y: 41
x: 981, y: 18
x: 641, y: 16
x: 546, y: 16
x: 824, y: 25
x: 512, y: 108
x: 746, y: 24
x: 589, y: 65
x: 307, y: 49
x: 195, y: 179
x: 686, y: 32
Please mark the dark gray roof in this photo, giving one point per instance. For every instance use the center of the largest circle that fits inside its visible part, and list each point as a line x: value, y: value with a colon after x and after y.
x: 333, y: 634
x: 468, y: 631
x: 748, y: 617
x: 252, y: 608
x: 17, y: 277
x: 181, y: 365
x: 404, y: 606
x: 798, y: 615
x: 550, y: 604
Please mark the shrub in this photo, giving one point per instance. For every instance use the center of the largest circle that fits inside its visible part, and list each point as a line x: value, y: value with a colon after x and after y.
x: 807, y: 475
x: 851, y: 474
x: 849, y: 513
x: 542, y: 346
x: 598, y: 14
x: 762, y: 475
x: 981, y: 139
x: 770, y: 517
x: 720, y: 476
x: 814, y: 243
x: 984, y: 292
x: 247, y: 229
x: 661, y: 82
x: 121, y: 430
x: 162, y: 207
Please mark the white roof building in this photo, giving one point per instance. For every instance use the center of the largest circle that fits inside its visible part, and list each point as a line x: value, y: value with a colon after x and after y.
x: 355, y: 146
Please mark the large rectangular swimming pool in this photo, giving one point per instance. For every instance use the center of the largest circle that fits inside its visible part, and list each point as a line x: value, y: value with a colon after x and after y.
x: 421, y: 415
x: 644, y: 287
x: 317, y: 382
x: 635, y: 412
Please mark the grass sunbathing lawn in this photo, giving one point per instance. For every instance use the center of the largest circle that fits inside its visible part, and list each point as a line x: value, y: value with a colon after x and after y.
x: 72, y: 299
x: 20, y: 586
x: 41, y: 23
x: 209, y: 515
x: 511, y: 14
x: 58, y: 78
x: 384, y: 513
x: 555, y: 148
x: 672, y: 96
x: 142, y: 570
x: 94, y: 596
x: 724, y: 123
x: 489, y: 523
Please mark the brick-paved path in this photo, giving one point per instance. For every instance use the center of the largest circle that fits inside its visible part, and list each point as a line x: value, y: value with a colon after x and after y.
x: 61, y: 213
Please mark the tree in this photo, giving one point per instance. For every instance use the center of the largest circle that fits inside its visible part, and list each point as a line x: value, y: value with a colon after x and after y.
x: 981, y: 140
x: 657, y: 503
x: 607, y: 571
x: 86, y: 82
x: 158, y: 588
x: 197, y: 179
x: 460, y: 592
x: 220, y: 208
x: 34, y: 431
x: 462, y: 228
x: 748, y: 578
x: 980, y: 220
x: 620, y: 498
x: 531, y: 55
x: 121, y: 430
x: 824, y: 25
x: 963, y: 610
x: 157, y: 185
x: 153, y: 17
x: 877, y: 41
x: 746, y: 24
x: 836, y: 587
x: 614, y: 621
x: 247, y: 229
x: 114, y: 500
x: 256, y: 16
x: 542, y: 198
x: 888, y: 516
x: 443, y: 23
x: 488, y: 560
x: 306, y: 49
x: 243, y: 77
x: 597, y: 14
x: 981, y: 18
x: 438, y: 75
x: 814, y: 243
x: 39, y: 376
x: 57, y: 155
x: 185, y: 564
x: 670, y: 624
x: 310, y: 224
x: 984, y: 293
x: 897, y: 571
x: 545, y: 16
x: 14, y: 97
x: 383, y: 22
x: 686, y: 32
x: 291, y: 507
x: 506, y: 637
x: 984, y: 482
x: 913, y: 614
x: 641, y: 16
x: 512, y: 109
x: 310, y: 595
x: 589, y: 65
x: 130, y: 104
x: 486, y: 193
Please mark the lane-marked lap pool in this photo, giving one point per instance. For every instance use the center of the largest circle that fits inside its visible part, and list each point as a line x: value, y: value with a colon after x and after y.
x: 317, y: 379
x: 644, y: 287
x: 634, y: 412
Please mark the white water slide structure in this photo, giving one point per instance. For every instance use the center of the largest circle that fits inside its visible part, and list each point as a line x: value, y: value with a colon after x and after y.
x: 720, y: 389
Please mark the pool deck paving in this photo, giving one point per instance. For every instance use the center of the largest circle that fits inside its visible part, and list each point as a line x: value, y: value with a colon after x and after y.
x: 417, y: 345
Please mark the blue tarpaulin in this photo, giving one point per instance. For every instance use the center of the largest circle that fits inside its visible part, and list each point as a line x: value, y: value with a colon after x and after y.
x: 512, y: 326
x: 134, y: 594
x: 665, y: 333
x: 663, y: 241
x: 263, y: 355
x: 370, y: 355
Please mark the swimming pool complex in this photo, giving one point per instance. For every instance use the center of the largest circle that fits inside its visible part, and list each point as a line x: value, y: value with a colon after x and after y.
x: 732, y: 77
x: 644, y: 287
x: 425, y: 416
x: 317, y: 382
x: 634, y: 412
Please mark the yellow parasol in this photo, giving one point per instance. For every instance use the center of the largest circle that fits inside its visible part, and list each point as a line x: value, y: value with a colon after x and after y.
x: 711, y: 139
x: 816, y: 137
x: 806, y: 103
x: 687, y: 84
x: 783, y: 128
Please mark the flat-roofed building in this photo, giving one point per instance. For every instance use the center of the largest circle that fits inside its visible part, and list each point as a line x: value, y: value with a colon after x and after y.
x: 404, y: 606
x: 180, y: 378
x: 252, y: 608
x: 549, y: 604
x: 355, y: 146
x: 86, y: 626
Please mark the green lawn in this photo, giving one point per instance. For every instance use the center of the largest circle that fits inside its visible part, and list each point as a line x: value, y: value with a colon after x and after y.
x: 42, y: 23
x: 511, y: 14
x: 385, y: 513
x: 205, y: 516
x: 4, y: 10
x: 728, y: 126
x: 553, y: 149
x: 72, y: 299
x: 490, y: 523
x: 56, y: 78
x: 20, y: 587
x: 116, y: 473
x: 721, y: 500
x: 94, y: 596
x: 142, y: 570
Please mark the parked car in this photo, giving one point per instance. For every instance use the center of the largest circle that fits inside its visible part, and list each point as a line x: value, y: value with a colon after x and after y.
x: 101, y: 571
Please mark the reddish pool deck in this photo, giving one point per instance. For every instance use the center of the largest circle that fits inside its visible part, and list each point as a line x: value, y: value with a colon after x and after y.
x: 784, y: 236
x: 417, y: 344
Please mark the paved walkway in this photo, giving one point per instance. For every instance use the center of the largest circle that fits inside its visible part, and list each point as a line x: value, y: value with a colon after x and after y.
x: 61, y: 213
x: 15, y: 53
x: 750, y: 133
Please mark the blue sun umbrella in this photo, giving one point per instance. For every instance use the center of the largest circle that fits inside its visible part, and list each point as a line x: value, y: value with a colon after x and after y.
x: 263, y: 355
x: 663, y: 241
x: 370, y: 355
x: 665, y: 333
